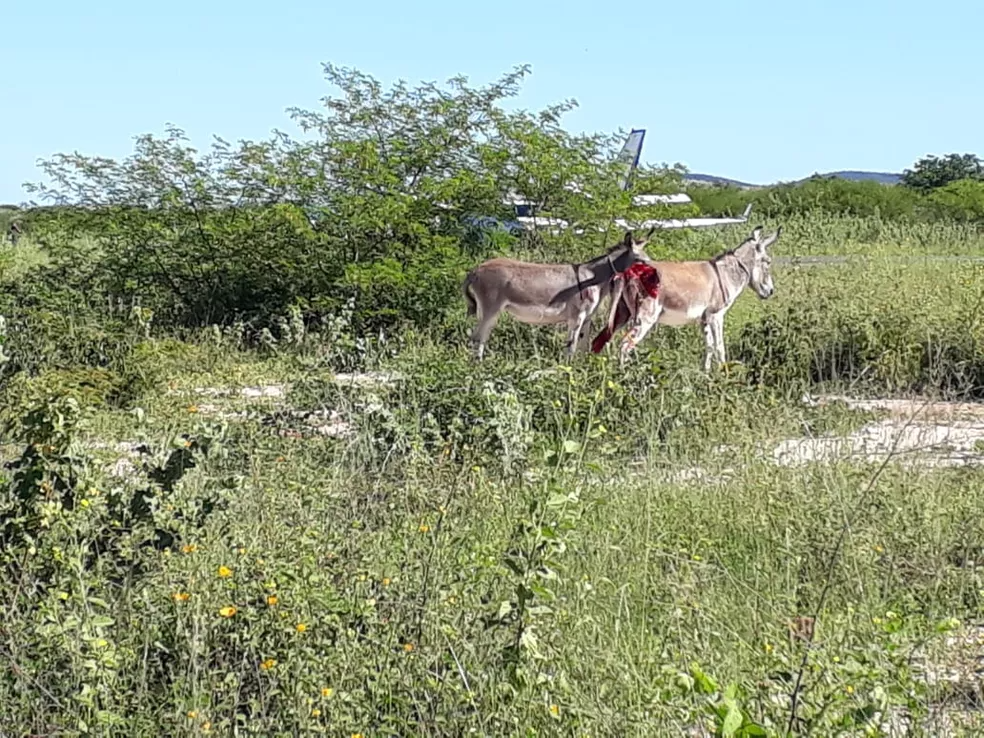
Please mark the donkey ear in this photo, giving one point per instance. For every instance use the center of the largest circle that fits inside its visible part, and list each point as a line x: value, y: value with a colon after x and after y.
x: 650, y: 232
x: 757, y: 233
x: 628, y: 241
x: 771, y: 239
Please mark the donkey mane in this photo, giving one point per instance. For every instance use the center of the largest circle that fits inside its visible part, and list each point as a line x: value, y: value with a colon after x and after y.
x: 732, y: 251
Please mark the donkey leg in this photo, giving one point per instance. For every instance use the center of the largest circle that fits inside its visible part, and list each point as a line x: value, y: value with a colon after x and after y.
x: 647, y: 318
x: 480, y: 335
x: 719, y: 337
x: 709, y: 343
x: 575, y: 330
x: 582, y: 323
x: 713, y: 339
x: 583, y: 337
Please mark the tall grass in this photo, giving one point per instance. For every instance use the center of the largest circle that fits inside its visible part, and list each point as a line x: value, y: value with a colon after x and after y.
x: 520, y: 547
x: 821, y: 234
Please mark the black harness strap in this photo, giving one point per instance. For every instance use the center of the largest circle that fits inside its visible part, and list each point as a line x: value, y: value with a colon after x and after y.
x: 577, y: 273
x: 611, y: 266
x: 577, y: 277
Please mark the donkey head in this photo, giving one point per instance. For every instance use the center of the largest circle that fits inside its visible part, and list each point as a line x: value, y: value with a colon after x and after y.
x: 760, y: 266
x: 630, y: 250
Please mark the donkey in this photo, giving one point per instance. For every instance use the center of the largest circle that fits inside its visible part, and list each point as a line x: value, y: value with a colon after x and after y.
x: 681, y: 292
x: 547, y: 294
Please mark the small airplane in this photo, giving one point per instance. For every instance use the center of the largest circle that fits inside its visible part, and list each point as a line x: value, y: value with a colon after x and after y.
x: 629, y: 157
x: 524, y: 219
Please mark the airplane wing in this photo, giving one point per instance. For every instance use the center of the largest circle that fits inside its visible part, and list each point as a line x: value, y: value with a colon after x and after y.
x: 679, y: 198
x: 555, y: 225
x: 686, y: 222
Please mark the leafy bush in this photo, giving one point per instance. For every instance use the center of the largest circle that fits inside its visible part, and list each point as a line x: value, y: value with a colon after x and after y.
x: 78, y: 551
x: 962, y: 201
x: 827, y: 339
x: 949, y: 201
x: 379, y: 207
x: 829, y: 195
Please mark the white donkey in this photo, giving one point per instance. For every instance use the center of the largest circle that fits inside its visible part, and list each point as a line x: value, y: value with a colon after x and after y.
x: 682, y: 292
x: 547, y: 294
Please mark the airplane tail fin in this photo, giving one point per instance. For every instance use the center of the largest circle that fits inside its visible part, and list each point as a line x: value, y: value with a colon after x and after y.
x: 629, y: 155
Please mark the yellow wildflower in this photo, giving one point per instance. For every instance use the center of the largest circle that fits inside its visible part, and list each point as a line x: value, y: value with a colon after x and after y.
x: 315, y: 712
x: 272, y: 600
x: 300, y: 627
x: 181, y: 596
x: 227, y: 612
x: 268, y: 664
x: 849, y: 689
x: 408, y: 647
x: 189, y: 548
x: 206, y: 726
x: 327, y: 692
x: 225, y: 572
x: 424, y: 528
x: 193, y: 408
x: 555, y: 710
x: 193, y: 714
x: 386, y: 581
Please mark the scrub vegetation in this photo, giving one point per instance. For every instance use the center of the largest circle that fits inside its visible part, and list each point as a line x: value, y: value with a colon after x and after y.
x: 254, y: 482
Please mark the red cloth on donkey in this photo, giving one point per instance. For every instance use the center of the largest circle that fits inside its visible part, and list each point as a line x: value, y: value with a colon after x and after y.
x: 648, y: 278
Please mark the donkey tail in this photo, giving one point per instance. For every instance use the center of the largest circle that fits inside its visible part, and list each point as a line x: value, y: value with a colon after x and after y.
x: 470, y: 302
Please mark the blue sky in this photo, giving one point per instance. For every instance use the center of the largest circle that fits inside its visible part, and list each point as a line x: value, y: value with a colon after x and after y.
x: 759, y: 90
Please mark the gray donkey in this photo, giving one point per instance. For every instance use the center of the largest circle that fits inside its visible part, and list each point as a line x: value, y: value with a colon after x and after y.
x: 692, y: 292
x: 547, y: 294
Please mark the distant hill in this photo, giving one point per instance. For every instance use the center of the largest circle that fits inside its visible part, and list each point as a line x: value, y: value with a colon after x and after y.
x: 711, y: 179
x: 889, y: 178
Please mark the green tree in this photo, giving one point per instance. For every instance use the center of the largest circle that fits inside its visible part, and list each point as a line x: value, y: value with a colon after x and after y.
x: 932, y: 171
x: 373, y: 204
